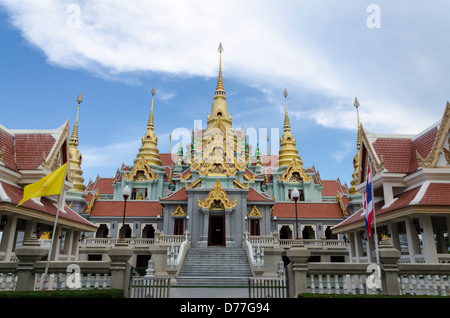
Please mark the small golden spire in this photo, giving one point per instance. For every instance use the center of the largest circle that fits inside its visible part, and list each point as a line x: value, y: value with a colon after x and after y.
x: 149, y: 149
x: 288, y: 149
x: 74, y: 138
x: 75, y: 156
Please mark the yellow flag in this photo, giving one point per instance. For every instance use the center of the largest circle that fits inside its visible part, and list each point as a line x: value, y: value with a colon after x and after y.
x: 48, y: 185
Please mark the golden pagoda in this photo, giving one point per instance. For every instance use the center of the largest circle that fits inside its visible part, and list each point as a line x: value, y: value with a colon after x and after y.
x: 75, y: 157
x: 288, y: 149
x: 149, y: 150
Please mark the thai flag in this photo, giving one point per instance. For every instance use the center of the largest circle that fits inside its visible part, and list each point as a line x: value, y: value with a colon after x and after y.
x: 368, y: 202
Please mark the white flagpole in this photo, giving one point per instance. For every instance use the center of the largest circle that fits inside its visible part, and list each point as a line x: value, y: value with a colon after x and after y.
x: 375, y: 239
x: 49, y: 255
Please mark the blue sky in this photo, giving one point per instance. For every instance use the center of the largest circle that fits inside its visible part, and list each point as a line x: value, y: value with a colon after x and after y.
x: 323, y: 52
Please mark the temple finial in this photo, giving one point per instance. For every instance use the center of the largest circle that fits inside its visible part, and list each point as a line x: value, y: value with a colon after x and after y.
x: 220, y: 90
x: 151, y: 123
x: 287, y: 125
x: 74, y: 138
x: 75, y: 157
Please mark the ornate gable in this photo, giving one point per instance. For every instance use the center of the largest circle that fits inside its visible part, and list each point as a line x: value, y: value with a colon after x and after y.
x: 141, y: 172
x: 254, y: 212
x: 441, y: 145
x: 179, y: 211
x: 217, y: 199
x: 295, y: 173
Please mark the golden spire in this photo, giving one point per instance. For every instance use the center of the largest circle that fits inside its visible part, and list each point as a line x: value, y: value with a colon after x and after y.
x: 151, y: 123
x: 149, y: 150
x: 288, y: 149
x: 219, y: 108
x: 287, y: 125
x: 355, y: 173
x: 75, y: 156
x: 220, y: 90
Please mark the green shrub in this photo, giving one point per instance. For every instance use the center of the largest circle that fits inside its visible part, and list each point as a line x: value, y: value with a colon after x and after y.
x: 91, y: 293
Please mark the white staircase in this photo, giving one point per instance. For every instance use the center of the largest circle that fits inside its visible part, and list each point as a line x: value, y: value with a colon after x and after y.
x: 215, y: 266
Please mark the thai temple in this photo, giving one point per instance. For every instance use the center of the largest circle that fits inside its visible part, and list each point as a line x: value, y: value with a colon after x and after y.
x: 216, y: 190
x: 218, y: 201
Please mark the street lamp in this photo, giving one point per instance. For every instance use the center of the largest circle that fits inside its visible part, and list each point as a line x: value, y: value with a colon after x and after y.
x: 295, y: 195
x: 125, y: 193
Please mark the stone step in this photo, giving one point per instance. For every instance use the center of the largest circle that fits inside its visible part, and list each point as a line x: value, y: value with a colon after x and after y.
x: 215, y: 266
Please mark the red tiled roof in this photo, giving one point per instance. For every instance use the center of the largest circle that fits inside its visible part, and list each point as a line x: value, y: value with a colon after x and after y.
x: 180, y: 195
x: 48, y: 206
x: 25, y: 150
x: 104, y: 186
x: 7, y: 140
x: 307, y: 210
x: 436, y: 194
x: 331, y: 187
x: 166, y: 159
x: 402, y: 200
x: 399, y: 154
x: 134, y: 208
x: 255, y: 196
x: 396, y: 153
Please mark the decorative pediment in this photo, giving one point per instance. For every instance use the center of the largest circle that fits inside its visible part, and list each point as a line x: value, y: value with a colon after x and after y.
x: 179, y: 211
x: 438, y: 148
x: 254, y: 212
x: 141, y: 172
x: 217, y: 199
x: 294, y: 173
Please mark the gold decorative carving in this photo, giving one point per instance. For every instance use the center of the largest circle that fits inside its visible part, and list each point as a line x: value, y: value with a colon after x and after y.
x: 2, y: 153
x: 433, y: 156
x: 217, y: 199
x: 179, y: 211
x: 141, y: 172
x: 194, y: 184
x: 294, y: 173
x: 254, y: 212
x: 447, y: 152
x: 238, y: 184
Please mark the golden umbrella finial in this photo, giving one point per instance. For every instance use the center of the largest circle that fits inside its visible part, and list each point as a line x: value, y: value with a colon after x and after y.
x: 79, y: 99
x: 153, y: 91
x: 356, y: 103
x: 285, y: 94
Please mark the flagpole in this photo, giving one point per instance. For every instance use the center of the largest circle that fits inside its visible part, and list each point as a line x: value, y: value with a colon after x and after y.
x: 54, y: 226
x: 374, y: 222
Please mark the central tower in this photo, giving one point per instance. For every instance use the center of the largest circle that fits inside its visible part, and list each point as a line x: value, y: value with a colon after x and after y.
x: 219, y: 108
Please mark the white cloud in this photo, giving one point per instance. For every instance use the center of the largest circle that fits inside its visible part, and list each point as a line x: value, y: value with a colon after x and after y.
x: 320, y: 49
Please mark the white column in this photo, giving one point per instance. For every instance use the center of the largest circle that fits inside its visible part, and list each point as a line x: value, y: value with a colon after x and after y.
x: 395, y: 240
x: 9, y: 233
x: 412, y: 239
x: 429, y: 246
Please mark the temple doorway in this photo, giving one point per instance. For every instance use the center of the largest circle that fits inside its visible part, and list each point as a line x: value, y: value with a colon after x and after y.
x: 216, y: 236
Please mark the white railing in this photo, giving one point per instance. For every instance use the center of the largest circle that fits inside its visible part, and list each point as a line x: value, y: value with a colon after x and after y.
x: 340, y: 284
x: 256, y: 255
x: 59, y: 281
x: 315, y: 243
x: 175, y: 254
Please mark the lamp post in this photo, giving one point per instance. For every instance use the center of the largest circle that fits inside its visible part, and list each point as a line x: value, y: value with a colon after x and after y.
x: 125, y: 193
x: 295, y: 195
